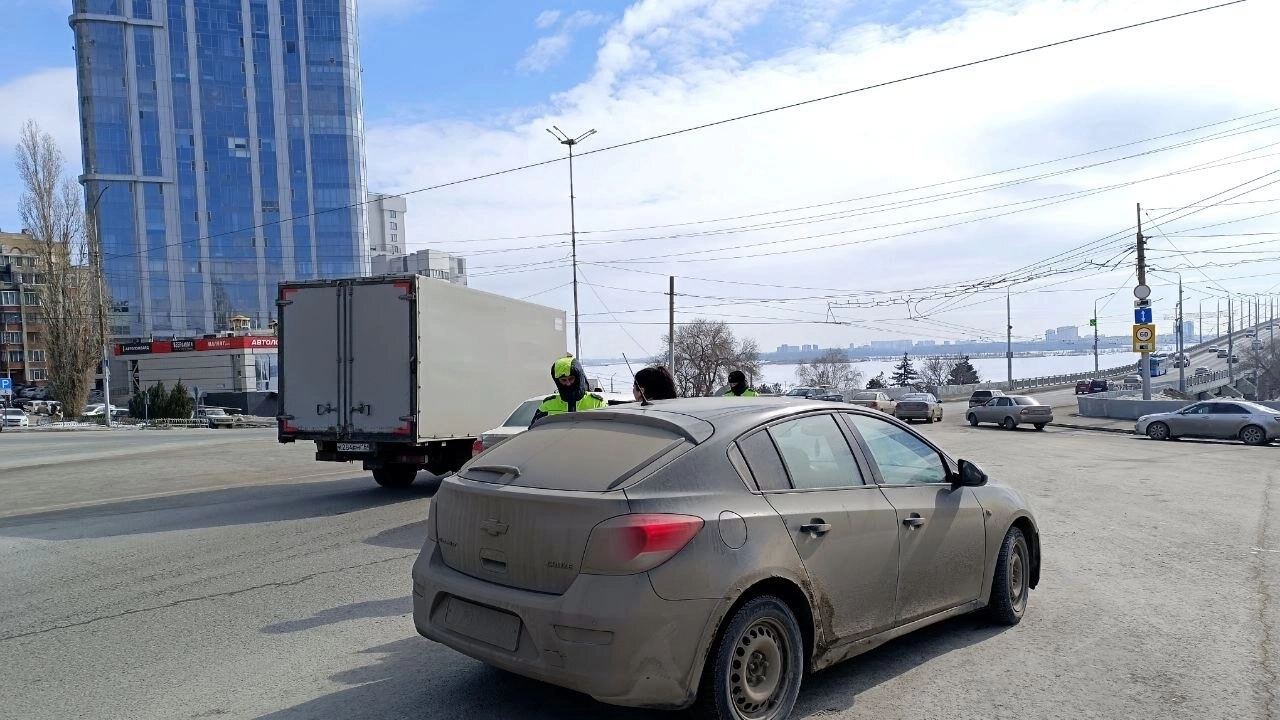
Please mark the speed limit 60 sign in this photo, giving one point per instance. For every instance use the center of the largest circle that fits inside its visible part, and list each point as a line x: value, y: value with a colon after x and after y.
x: 1144, y: 338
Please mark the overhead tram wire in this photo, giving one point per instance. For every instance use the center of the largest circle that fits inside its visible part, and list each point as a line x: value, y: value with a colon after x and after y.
x: 738, y: 118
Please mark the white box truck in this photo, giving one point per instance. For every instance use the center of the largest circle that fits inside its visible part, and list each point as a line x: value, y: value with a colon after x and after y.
x: 403, y: 372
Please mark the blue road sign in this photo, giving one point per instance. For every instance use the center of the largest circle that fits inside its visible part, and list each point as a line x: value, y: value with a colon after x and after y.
x: 1142, y: 316
x: 6, y: 385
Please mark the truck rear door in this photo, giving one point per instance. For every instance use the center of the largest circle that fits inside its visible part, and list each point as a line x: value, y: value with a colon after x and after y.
x: 380, y: 345
x: 310, y: 359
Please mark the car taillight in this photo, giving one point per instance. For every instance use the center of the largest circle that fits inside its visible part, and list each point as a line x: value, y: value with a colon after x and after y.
x: 477, y: 447
x: 875, y: 405
x: 630, y: 544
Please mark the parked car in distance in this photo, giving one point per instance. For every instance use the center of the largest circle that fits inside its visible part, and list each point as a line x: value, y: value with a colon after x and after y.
x: 218, y: 417
x: 815, y: 393
x: 15, y: 417
x: 1082, y: 387
x: 519, y: 419
x: 980, y: 397
x: 560, y: 553
x: 875, y: 400
x: 1224, y: 420
x: 1011, y: 411
x: 1132, y: 380
x: 97, y: 409
x: 918, y: 406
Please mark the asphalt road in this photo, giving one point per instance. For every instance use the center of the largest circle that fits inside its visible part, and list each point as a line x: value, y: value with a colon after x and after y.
x: 205, y: 575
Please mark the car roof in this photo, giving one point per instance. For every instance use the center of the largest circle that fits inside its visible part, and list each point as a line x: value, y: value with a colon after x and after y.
x: 624, y: 397
x: 699, y: 418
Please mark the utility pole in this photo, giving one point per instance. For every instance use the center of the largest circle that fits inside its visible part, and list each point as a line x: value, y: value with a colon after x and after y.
x: 1231, y: 367
x: 1144, y: 364
x: 1008, y: 343
x: 671, y: 325
x: 1200, y: 322
x: 101, y: 279
x: 1182, y: 365
x: 1095, y: 336
x: 1217, y: 323
x: 569, y: 142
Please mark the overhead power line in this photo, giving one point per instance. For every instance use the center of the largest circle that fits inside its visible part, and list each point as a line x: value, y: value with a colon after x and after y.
x: 738, y: 118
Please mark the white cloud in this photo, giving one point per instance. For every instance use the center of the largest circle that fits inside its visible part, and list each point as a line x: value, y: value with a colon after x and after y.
x: 551, y: 49
x: 669, y: 64
x: 544, y: 53
x: 546, y: 19
x: 49, y: 97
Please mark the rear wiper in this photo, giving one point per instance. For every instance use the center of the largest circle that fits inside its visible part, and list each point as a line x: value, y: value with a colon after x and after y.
x: 511, y: 470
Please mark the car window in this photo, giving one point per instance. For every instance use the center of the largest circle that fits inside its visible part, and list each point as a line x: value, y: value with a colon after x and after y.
x: 1202, y: 409
x: 816, y: 453
x: 1228, y: 409
x: 1024, y: 400
x: 763, y: 461
x: 903, y: 458
x: 523, y: 415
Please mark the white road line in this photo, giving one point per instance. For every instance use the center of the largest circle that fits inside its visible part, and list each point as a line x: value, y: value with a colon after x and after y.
x: 148, y: 496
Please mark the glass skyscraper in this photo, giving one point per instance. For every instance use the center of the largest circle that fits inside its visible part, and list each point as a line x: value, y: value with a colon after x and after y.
x: 228, y: 136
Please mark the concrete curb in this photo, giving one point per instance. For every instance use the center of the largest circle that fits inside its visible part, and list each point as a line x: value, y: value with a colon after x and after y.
x: 1095, y: 428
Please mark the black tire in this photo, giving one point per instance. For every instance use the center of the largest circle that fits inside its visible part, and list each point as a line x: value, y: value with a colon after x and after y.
x: 1011, y: 585
x: 1040, y: 426
x: 1009, y: 424
x: 759, y: 651
x: 1158, y: 431
x: 1253, y: 435
x: 973, y: 419
x: 395, y: 476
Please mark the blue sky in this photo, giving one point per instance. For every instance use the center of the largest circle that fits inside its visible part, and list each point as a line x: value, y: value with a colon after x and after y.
x: 456, y: 88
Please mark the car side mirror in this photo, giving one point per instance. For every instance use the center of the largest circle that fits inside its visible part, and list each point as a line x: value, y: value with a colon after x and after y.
x: 970, y: 475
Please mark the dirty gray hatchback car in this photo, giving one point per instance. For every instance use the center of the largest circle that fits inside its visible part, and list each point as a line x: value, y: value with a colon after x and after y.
x: 712, y: 551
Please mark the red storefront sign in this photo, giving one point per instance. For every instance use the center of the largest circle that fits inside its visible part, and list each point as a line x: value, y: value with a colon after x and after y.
x: 242, y: 342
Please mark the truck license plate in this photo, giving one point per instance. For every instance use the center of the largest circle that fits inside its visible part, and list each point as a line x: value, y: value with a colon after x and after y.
x: 354, y: 447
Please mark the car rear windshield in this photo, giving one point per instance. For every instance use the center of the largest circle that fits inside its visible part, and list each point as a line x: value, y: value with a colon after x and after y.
x: 523, y: 414
x: 1024, y: 400
x: 866, y: 396
x: 590, y: 456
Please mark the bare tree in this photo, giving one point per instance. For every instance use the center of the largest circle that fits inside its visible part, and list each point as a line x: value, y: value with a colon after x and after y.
x: 830, y: 369
x: 1266, y: 362
x: 70, y: 295
x: 935, y: 370
x: 706, y: 351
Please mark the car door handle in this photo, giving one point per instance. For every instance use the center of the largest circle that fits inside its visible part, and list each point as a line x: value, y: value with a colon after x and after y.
x: 913, y: 521
x: 816, y: 527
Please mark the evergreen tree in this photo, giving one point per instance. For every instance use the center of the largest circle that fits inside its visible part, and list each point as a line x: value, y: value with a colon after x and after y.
x: 158, y: 399
x: 904, y: 373
x: 964, y: 373
x: 877, y: 382
x: 181, y: 405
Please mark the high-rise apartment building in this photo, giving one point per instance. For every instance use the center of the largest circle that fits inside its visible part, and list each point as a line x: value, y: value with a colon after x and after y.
x: 387, y: 224
x: 224, y: 139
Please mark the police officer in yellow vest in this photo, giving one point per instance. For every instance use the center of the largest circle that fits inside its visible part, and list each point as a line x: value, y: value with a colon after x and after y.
x: 571, y: 382
x: 738, y: 385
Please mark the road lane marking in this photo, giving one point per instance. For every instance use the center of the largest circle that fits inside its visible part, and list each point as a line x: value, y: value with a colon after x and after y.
x: 170, y: 493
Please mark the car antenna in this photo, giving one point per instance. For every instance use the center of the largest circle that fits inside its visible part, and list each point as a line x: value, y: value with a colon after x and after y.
x: 644, y: 401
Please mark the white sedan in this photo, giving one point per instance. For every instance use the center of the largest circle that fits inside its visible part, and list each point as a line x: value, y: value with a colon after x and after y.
x: 16, y: 417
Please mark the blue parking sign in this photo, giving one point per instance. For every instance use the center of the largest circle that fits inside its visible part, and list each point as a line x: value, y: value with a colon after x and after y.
x: 1142, y: 316
x: 6, y: 385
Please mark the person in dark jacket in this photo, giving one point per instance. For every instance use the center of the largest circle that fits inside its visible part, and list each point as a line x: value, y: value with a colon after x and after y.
x: 571, y: 395
x: 654, y: 383
x: 738, y: 385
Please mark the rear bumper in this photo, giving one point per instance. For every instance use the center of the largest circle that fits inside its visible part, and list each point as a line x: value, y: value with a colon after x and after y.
x: 610, y: 637
x: 913, y: 414
x: 1034, y: 419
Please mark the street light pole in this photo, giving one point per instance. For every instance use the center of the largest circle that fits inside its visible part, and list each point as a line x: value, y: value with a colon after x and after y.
x: 1182, y: 365
x: 569, y: 142
x: 1008, y: 343
x: 102, y: 300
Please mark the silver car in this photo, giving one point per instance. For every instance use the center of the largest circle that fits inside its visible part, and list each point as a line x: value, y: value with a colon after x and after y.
x: 1221, y: 419
x: 918, y: 406
x: 1011, y: 411
x: 713, y: 550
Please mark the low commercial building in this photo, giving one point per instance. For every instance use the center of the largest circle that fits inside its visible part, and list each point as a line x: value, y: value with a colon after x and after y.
x: 229, y: 370
x: 431, y: 263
